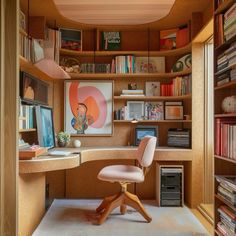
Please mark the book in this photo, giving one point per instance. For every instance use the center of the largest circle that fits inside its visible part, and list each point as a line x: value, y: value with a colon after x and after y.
x: 32, y: 151
x: 154, y: 110
x: 182, y: 37
x: 111, y: 40
x: 152, y: 88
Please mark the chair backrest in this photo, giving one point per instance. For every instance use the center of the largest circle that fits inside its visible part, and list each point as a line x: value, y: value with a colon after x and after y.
x: 146, y: 151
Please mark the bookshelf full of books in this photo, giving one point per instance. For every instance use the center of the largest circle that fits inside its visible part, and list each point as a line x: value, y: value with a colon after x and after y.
x: 225, y: 117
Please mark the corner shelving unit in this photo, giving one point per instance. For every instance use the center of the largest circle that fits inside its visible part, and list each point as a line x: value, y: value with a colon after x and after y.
x: 223, y: 165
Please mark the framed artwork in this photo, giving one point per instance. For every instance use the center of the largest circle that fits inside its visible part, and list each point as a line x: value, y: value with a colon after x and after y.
x: 89, y: 107
x: 142, y: 131
x: 71, y: 39
x: 135, y: 110
x: 111, y: 40
x: 152, y: 88
x: 45, y: 126
x: 174, y: 112
x: 149, y: 64
x: 154, y: 110
x: 33, y: 90
x: 168, y: 39
x: 22, y: 20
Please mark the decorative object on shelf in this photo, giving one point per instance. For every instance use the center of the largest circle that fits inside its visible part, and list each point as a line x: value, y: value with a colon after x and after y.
x: 142, y: 130
x: 152, y: 88
x: 173, y: 111
x: 63, y: 139
x: 135, y: 110
x: 76, y: 143
x: 70, y: 64
x: 168, y: 39
x: 111, y: 40
x: 149, y: 64
x: 182, y: 36
x: 154, y: 110
x: 71, y: 39
x: 183, y: 63
x: 229, y: 104
x: 132, y: 86
x: 45, y: 126
x: 22, y: 20
x: 33, y: 90
x: 88, y: 107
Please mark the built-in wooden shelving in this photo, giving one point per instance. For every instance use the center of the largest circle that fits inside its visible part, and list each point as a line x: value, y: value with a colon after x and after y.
x: 27, y: 130
x: 225, y: 201
x: 225, y: 115
x: 154, y: 98
x: 175, y: 52
x: 228, y: 85
x: 154, y: 121
x: 131, y: 75
x: 224, y: 6
x: 225, y: 159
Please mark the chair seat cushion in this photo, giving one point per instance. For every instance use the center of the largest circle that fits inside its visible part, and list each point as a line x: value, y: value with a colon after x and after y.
x: 121, y: 173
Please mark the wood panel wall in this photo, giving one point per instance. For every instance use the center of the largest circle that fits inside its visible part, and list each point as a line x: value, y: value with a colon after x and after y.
x: 9, y: 117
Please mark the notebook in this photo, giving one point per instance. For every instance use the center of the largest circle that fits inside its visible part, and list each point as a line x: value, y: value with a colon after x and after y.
x: 59, y: 153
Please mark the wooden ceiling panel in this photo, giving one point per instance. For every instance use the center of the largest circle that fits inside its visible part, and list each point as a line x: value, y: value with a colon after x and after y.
x: 106, y: 12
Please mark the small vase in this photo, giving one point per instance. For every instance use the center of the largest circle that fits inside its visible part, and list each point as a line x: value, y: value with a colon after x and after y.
x: 62, y: 143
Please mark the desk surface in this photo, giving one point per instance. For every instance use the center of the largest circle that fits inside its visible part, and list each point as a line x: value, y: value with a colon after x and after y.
x: 84, y: 154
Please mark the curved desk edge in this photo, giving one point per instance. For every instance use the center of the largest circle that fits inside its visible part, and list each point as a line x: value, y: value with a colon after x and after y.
x: 48, y: 163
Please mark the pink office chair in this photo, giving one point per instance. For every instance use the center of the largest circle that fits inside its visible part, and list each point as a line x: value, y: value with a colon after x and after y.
x: 124, y: 175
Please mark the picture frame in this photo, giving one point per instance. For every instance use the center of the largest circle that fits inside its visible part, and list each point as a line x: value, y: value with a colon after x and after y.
x: 45, y: 126
x: 135, y: 110
x: 173, y: 112
x: 154, y: 110
x: 88, y: 107
x: 152, y: 88
x: 71, y: 39
x: 149, y: 64
x: 142, y: 131
x: 22, y: 20
x: 111, y: 40
x: 33, y: 90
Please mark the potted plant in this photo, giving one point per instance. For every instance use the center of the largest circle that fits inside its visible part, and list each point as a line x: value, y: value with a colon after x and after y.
x: 63, y: 139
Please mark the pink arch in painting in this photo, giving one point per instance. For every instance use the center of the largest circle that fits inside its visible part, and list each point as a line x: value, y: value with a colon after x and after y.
x: 77, y: 94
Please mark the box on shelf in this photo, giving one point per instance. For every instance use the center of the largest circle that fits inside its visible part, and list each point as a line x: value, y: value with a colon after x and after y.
x: 29, y: 153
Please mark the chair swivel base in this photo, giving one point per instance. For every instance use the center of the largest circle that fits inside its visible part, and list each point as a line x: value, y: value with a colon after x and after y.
x: 121, y: 200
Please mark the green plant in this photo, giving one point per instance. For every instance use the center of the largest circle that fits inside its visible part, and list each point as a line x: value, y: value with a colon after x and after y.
x: 63, y: 137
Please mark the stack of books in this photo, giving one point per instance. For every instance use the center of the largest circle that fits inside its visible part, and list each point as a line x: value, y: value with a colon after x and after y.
x: 179, y: 86
x: 227, y: 223
x: 178, y: 138
x: 227, y: 188
x: 230, y: 23
x: 129, y: 92
x: 121, y: 114
x: 95, y: 68
x: 123, y: 64
x: 225, y: 138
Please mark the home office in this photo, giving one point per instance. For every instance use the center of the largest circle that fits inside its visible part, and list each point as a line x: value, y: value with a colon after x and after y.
x: 110, y: 110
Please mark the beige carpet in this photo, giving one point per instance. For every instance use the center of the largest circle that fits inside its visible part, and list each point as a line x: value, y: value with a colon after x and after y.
x: 77, y: 217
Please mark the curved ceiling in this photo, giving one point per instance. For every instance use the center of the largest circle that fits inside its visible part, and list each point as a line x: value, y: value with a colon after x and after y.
x: 119, y: 12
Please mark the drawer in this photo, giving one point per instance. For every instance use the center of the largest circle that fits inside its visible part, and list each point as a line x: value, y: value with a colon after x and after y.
x: 168, y: 196
x: 171, y: 179
x: 171, y: 203
x: 170, y: 189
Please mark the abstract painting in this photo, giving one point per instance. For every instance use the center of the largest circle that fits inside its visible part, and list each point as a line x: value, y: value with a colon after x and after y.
x: 88, y: 107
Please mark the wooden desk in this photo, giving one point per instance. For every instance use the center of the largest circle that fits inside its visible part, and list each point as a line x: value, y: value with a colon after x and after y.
x: 32, y: 175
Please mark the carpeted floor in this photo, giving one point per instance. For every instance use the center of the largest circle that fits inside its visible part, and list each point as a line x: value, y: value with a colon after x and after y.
x: 77, y: 218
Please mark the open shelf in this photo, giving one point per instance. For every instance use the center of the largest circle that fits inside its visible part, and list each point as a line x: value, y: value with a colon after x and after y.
x: 224, y: 6
x: 225, y: 115
x: 154, y: 121
x: 225, y: 159
x: 217, y: 232
x: 225, y: 70
x: 153, y: 98
x: 231, y: 84
x: 131, y: 75
x: 175, y: 52
x: 225, y: 202
x: 226, y: 44
x: 27, y: 130
x: 28, y: 67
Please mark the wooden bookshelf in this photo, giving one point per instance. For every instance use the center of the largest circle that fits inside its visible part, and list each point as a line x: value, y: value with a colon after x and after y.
x: 175, y: 52
x: 229, y: 85
x: 225, y: 115
x: 225, y: 159
x: 154, y: 98
x: 130, y: 75
x: 223, y: 165
x: 223, y: 7
x: 27, y: 130
x: 154, y: 121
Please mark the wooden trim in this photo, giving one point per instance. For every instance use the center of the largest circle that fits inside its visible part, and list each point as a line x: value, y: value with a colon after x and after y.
x: 154, y: 121
x: 9, y: 116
